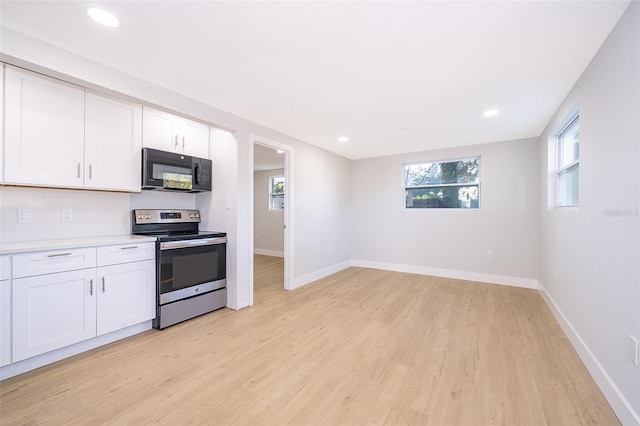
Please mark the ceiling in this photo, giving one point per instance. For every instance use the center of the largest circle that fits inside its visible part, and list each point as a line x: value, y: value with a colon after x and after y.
x: 392, y: 76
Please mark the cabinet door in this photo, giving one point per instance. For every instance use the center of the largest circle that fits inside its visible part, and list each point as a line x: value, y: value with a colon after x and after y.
x: 194, y: 139
x: 52, y: 311
x: 2, y: 123
x: 126, y: 295
x: 5, y: 310
x: 113, y: 144
x: 5, y: 322
x: 160, y: 130
x: 44, y: 130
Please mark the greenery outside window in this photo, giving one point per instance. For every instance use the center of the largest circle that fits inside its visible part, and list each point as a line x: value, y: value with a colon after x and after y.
x: 568, y: 163
x: 276, y: 191
x: 445, y: 184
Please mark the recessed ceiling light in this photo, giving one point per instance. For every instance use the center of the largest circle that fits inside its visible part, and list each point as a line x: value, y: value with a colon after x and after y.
x: 103, y: 17
x: 491, y: 113
x: 343, y: 139
x: 279, y: 151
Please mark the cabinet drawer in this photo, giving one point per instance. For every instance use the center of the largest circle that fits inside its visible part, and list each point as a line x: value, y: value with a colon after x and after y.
x: 125, y: 253
x: 48, y: 262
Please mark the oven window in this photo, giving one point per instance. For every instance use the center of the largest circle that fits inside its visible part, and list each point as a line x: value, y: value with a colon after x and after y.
x: 186, y: 267
x: 195, y: 268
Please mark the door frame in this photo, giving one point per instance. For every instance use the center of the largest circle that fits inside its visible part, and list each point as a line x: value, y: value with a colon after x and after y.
x: 288, y: 209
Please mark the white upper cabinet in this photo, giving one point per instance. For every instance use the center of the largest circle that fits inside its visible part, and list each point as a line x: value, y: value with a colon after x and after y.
x: 113, y: 144
x: 169, y: 132
x: 195, y: 138
x: 44, y: 130
x: 58, y: 136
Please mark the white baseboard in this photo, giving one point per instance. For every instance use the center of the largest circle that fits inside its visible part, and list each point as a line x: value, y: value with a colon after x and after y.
x: 618, y: 402
x: 62, y: 353
x: 449, y: 273
x: 241, y: 305
x: 316, y: 275
x: 266, y: 252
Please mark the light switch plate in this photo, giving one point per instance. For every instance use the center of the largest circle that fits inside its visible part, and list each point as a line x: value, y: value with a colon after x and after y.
x: 24, y: 215
x: 67, y: 215
x: 633, y: 350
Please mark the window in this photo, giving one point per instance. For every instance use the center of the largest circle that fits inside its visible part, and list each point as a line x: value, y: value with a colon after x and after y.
x: 276, y: 191
x: 450, y: 184
x: 568, y: 163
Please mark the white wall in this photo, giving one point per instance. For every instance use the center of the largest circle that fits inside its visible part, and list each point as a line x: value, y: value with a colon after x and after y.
x: 218, y: 207
x: 322, y: 209
x: 596, y: 248
x: 323, y: 216
x: 93, y: 213
x: 268, y: 224
x: 450, y: 242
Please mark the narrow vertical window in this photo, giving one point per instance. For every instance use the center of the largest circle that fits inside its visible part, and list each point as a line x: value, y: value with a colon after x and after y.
x: 276, y: 191
x: 568, y: 163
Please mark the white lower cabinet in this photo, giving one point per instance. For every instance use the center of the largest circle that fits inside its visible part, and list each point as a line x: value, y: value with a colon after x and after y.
x: 5, y: 310
x: 52, y: 311
x: 126, y: 295
x: 58, y: 309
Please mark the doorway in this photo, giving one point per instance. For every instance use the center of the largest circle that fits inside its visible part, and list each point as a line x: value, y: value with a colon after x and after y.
x: 272, y: 224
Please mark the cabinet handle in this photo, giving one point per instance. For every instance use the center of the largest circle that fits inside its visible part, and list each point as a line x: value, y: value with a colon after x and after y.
x: 176, y: 141
x: 103, y: 284
x: 183, y: 143
x: 59, y: 254
x: 128, y: 248
x: 90, y: 171
x: 78, y: 169
x: 91, y: 287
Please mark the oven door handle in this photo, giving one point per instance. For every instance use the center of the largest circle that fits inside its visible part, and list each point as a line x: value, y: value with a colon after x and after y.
x: 172, y: 245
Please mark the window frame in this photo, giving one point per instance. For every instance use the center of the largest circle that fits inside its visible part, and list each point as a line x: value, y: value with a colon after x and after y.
x: 443, y: 185
x: 572, y: 118
x: 272, y: 195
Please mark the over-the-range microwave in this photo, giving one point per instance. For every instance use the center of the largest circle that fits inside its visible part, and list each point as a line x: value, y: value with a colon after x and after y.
x: 170, y: 171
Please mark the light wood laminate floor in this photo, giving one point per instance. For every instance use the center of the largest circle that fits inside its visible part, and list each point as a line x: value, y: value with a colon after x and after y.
x: 360, y: 347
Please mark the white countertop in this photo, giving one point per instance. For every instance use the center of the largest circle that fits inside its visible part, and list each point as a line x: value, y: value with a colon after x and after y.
x: 40, y: 245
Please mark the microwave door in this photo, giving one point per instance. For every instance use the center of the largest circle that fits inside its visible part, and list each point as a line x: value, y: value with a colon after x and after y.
x: 166, y: 170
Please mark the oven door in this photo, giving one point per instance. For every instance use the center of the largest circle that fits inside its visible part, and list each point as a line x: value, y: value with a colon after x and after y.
x: 188, y: 268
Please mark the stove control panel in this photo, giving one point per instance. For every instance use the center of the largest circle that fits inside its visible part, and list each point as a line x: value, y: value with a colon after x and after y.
x: 152, y: 216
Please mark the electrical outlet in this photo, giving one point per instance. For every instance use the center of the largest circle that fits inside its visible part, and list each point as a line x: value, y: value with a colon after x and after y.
x: 24, y: 215
x: 67, y: 215
x: 378, y: 246
x: 489, y: 255
x: 227, y: 203
x: 633, y: 350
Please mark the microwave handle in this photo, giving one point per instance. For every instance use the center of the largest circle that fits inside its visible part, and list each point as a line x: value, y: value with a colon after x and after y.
x: 196, y: 174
